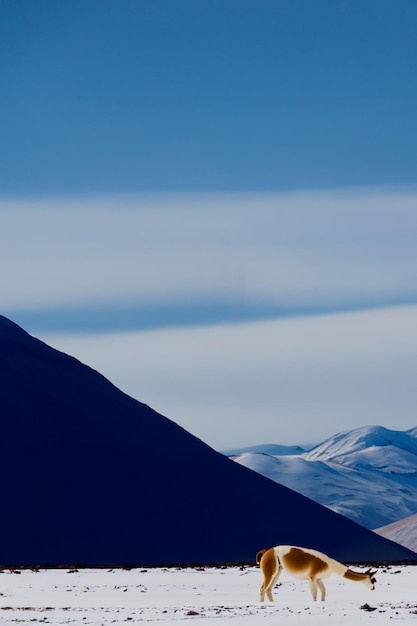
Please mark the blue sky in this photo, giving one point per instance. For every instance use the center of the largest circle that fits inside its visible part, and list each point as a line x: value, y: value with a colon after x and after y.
x: 151, y: 95
x: 181, y: 179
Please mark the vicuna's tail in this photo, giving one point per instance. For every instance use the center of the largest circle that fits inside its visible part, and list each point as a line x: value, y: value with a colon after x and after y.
x: 259, y: 555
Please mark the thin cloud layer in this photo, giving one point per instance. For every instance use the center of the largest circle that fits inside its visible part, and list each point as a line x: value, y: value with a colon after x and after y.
x: 292, y: 252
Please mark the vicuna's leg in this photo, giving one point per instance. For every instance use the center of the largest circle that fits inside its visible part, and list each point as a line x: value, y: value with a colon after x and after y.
x: 262, y: 592
x: 271, y: 570
x: 271, y: 584
x: 313, y: 587
x: 322, y: 589
x: 267, y: 585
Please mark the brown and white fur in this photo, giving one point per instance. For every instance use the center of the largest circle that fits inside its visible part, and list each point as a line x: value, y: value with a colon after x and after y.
x: 306, y: 564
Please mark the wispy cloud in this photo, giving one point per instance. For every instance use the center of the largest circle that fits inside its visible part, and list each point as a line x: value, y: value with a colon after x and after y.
x: 261, y: 254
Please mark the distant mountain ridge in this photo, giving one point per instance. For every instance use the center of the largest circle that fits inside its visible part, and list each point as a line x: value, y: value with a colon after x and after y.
x: 403, y: 532
x: 368, y: 474
x: 92, y: 476
x: 267, y: 448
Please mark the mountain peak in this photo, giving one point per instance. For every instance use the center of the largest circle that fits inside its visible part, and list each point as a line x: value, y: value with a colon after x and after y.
x: 357, y: 439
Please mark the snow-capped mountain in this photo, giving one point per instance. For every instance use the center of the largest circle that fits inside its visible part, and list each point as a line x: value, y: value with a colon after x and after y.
x: 267, y: 448
x: 368, y: 474
x: 404, y: 532
x: 90, y: 475
x: 343, y: 445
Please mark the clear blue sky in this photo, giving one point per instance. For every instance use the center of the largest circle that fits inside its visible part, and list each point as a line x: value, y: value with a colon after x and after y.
x: 214, y: 202
x: 133, y: 95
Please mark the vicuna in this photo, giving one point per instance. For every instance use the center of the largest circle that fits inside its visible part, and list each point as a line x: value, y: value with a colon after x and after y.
x: 306, y: 564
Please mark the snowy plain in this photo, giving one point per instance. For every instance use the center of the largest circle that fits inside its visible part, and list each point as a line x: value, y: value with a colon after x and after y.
x: 199, y: 595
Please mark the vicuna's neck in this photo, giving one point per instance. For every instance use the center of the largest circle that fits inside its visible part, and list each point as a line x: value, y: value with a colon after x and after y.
x: 356, y: 576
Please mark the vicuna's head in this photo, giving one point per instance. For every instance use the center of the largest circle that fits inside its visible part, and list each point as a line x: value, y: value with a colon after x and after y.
x: 370, y: 579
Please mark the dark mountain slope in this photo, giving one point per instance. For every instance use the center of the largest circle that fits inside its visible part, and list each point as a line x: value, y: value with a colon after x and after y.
x: 92, y: 476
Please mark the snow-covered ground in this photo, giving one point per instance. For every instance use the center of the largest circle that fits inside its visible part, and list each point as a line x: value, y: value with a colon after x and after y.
x: 207, y: 595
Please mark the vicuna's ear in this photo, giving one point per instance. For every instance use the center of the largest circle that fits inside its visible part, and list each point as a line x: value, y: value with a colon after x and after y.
x: 370, y: 572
